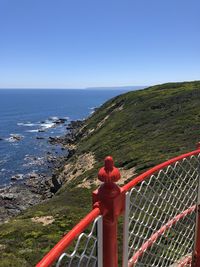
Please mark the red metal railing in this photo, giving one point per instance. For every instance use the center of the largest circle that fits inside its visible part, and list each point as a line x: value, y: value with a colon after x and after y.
x: 157, y: 234
x: 187, y: 261
x: 65, y: 242
x: 109, y: 201
x: 157, y: 168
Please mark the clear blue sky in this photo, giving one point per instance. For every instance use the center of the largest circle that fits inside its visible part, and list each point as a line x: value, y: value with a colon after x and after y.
x: 81, y: 43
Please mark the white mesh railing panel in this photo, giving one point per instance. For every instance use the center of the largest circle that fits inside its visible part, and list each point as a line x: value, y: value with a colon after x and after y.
x: 87, y: 249
x: 152, y: 204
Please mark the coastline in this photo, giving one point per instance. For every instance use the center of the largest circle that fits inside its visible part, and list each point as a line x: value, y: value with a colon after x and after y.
x: 37, y: 187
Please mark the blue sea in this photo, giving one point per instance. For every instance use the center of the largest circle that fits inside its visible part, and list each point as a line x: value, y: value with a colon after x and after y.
x: 30, y: 115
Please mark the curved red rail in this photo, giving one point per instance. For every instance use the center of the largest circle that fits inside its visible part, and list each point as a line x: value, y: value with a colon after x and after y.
x: 157, y: 234
x: 59, y: 248
x: 157, y: 168
x: 185, y: 262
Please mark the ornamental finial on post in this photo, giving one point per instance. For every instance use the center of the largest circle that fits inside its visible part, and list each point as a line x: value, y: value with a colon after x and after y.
x: 109, y: 173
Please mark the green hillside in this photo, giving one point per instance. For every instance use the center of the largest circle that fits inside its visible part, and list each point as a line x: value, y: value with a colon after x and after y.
x: 147, y: 126
x: 139, y: 129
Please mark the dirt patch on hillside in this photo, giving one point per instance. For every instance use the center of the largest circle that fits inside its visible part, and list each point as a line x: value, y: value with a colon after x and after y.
x: 125, y: 176
x: 45, y: 220
x: 101, y: 123
x: 2, y: 247
x: 111, y: 109
x: 78, y: 167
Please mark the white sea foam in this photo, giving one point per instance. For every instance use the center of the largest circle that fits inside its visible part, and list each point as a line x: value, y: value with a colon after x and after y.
x: 33, y: 131
x: 92, y: 110
x: 27, y: 124
x: 66, y: 118
x: 54, y: 118
x: 33, y: 161
x: 10, y: 140
x: 3, y: 161
x: 41, y: 126
x: 47, y: 125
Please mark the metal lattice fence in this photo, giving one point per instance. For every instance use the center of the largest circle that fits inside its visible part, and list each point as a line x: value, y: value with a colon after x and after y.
x: 87, y: 251
x: 161, y: 220
x: 160, y: 216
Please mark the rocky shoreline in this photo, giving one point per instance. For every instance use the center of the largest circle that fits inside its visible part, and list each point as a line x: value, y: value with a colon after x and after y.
x: 34, y: 188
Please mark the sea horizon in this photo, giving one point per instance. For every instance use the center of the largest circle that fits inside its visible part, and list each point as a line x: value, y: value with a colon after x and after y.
x: 128, y: 87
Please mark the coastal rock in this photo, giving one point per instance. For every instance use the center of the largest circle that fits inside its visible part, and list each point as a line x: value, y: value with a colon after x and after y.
x: 37, y: 187
x: 51, y: 158
x: 75, y: 124
x: 7, y: 196
x: 17, y: 177
x: 71, y: 152
x: 16, y: 137
x: 56, y: 184
x: 61, y: 140
x: 39, y: 184
x: 71, y: 137
x: 33, y: 161
x: 16, y: 198
x: 60, y: 121
x: 55, y: 140
x: 67, y: 139
x: 33, y: 175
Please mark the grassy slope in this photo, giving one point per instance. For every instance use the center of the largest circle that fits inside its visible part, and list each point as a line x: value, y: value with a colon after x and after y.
x: 153, y: 125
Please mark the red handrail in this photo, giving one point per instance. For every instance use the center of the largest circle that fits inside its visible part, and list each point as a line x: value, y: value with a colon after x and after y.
x: 157, y: 234
x: 59, y: 248
x: 185, y: 262
x: 157, y: 168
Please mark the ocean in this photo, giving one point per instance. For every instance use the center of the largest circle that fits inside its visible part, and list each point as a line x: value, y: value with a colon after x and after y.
x: 28, y: 117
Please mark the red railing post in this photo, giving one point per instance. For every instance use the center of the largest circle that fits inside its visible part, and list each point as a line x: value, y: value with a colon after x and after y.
x: 196, y: 253
x: 110, y: 200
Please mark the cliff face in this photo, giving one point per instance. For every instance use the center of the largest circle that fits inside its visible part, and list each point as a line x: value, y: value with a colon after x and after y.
x: 139, y: 129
